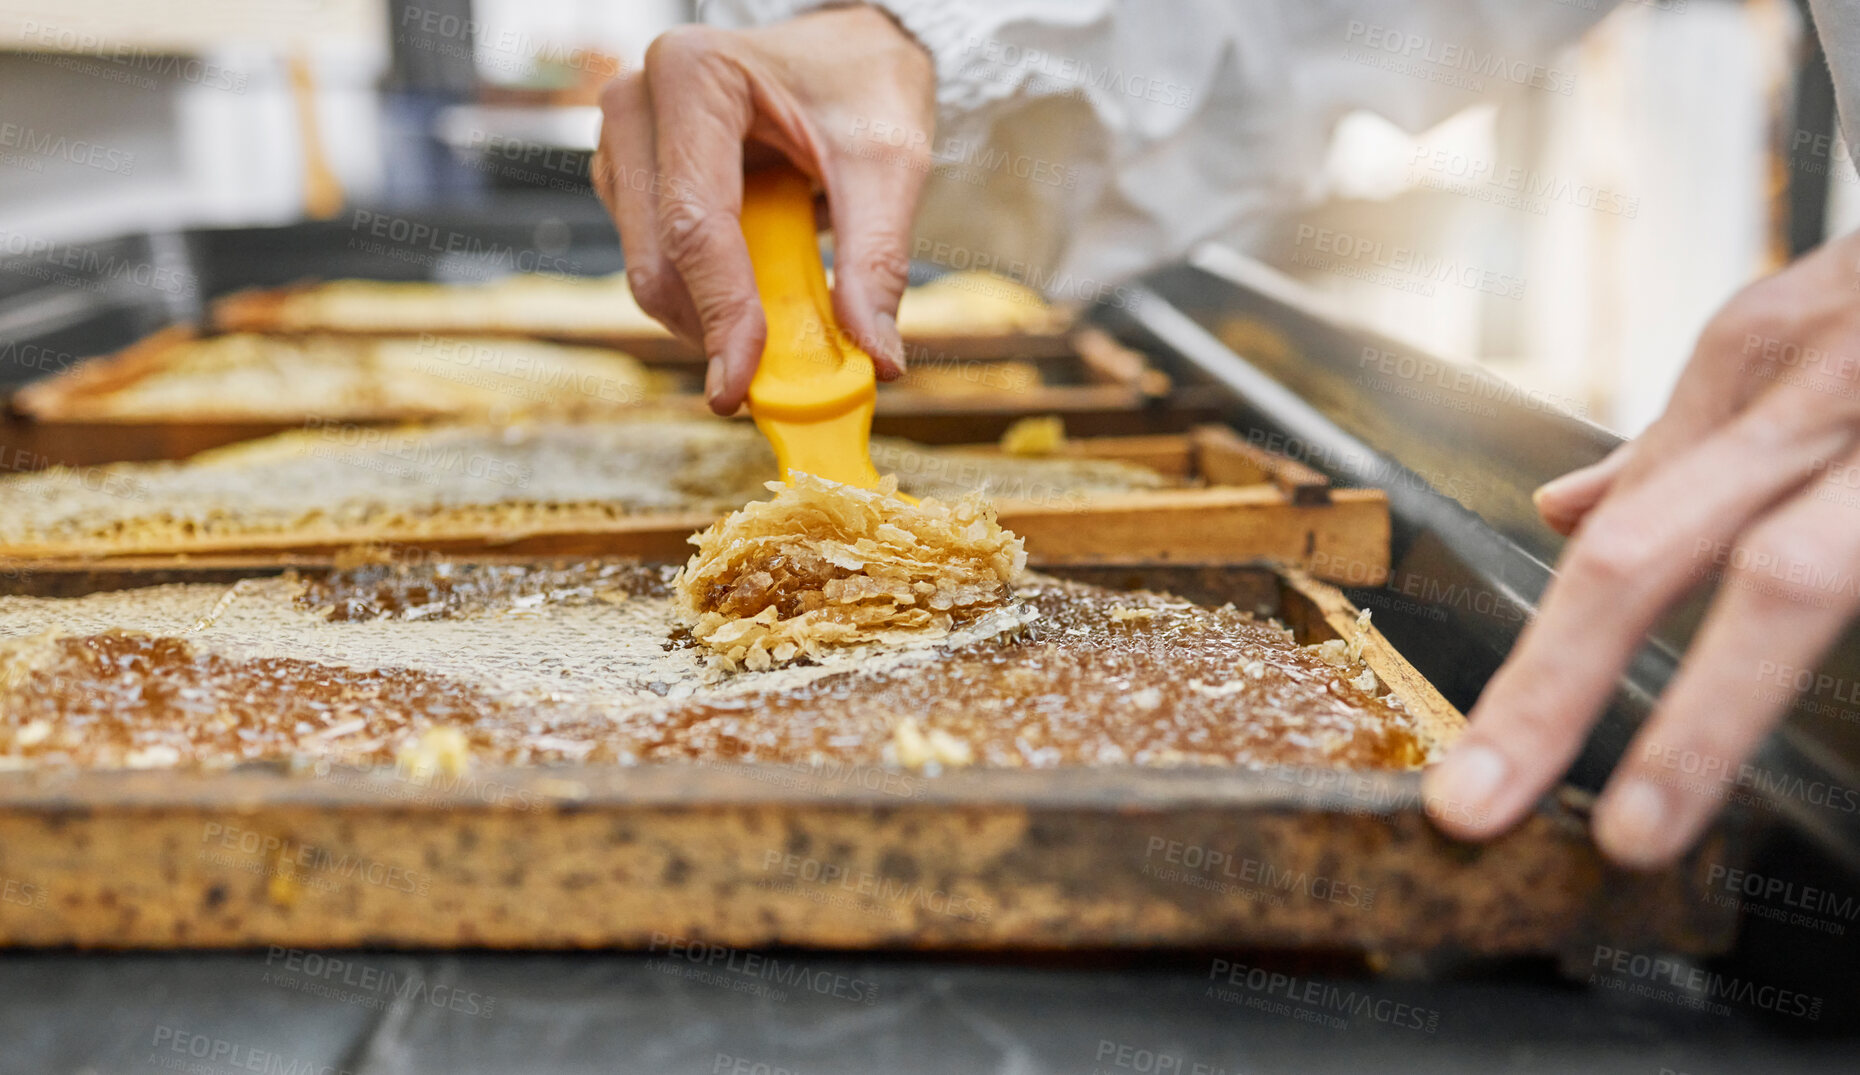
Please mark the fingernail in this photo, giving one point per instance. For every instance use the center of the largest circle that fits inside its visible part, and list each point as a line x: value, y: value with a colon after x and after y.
x: 1468, y: 781
x: 1556, y: 487
x: 889, y: 341
x: 1573, y: 482
x: 1632, y: 824
x: 713, y: 379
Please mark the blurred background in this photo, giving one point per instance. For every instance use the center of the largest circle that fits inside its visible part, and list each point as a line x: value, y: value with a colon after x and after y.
x: 1694, y: 151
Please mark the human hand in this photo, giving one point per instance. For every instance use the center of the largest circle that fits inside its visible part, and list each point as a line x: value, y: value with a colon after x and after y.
x: 1742, y: 472
x: 672, y: 154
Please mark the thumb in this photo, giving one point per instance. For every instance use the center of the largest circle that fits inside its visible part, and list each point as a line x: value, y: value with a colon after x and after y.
x: 1564, y: 502
x: 871, y: 203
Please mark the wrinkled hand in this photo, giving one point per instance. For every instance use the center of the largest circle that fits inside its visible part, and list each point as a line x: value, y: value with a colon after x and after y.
x: 1750, y: 475
x: 832, y: 92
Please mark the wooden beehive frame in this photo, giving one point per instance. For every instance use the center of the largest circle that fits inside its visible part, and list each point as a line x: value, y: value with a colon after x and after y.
x: 592, y: 856
x: 1256, y: 507
x: 261, y: 310
x: 1111, y: 377
x: 1108, y: 387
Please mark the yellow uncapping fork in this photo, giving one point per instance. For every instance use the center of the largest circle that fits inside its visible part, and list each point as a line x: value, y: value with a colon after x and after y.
x: 812, y: 395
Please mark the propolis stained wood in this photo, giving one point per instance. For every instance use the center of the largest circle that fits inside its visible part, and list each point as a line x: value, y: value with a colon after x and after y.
x: 1235, y: 505
x: 826, y: 856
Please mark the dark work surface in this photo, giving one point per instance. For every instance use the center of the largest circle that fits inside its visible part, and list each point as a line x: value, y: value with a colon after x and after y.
x: 627, y: 1014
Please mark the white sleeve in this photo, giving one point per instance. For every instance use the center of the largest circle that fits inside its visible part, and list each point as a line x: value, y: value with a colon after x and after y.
x: 1080, y: 142
x: 1838, y: 24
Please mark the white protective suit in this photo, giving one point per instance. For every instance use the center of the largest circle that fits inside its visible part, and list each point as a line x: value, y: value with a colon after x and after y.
x: 1081, y: 142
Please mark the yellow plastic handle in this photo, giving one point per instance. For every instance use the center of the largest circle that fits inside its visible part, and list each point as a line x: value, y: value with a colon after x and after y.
x: 812, y: 394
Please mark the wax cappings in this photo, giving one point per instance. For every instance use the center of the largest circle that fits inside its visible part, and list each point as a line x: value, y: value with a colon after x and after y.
x: 826, y: 565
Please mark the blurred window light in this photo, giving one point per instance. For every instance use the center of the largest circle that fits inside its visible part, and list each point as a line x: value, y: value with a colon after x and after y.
x: 1372, y: 159
x: 545, y: 42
